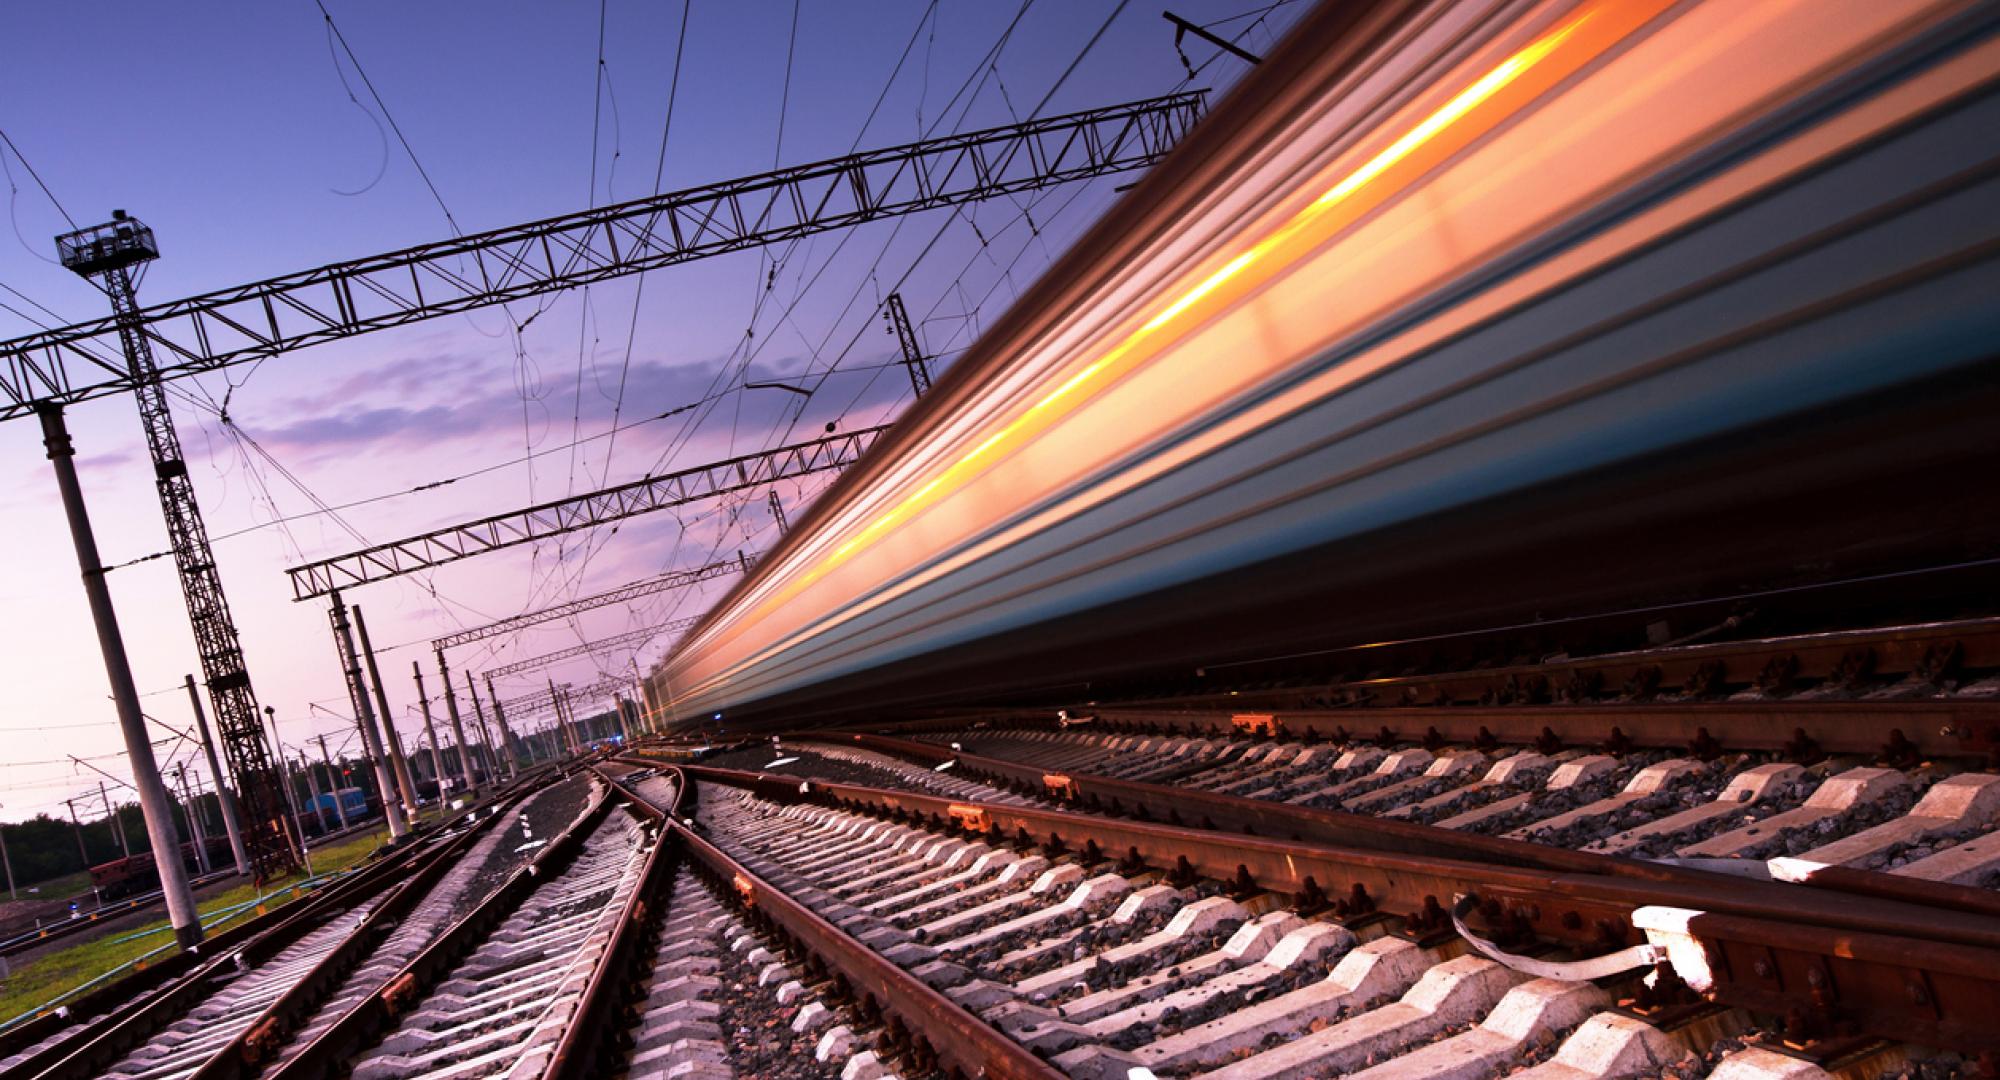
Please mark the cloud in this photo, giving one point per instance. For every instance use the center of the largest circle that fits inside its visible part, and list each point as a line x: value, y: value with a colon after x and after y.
x: 374, y: 426
x: 419, y: 375
x: 418, y: 403
x: 110, y: 460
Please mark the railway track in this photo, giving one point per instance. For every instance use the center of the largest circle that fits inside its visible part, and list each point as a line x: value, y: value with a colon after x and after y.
x: 709, y: 922
x: 1103, y: 965
x: 1170, y: 892
x: 716, y: 993
x: 1923, y: 820
x: 230, y: 1007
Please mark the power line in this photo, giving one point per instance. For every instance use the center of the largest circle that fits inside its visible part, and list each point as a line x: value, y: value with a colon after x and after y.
x: 386, y: 114
x: 26, y: 164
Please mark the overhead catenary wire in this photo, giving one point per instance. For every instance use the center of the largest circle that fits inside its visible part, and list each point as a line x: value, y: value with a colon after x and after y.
x: 592, y: 541
x: 39, y: 182
x: 991, y: 65
x: 973, y: 81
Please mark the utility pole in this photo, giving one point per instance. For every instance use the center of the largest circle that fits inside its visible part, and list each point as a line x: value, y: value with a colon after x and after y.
x: 107, y: 254
x: 430, y: 732
x: 153, y: 800
x: 297, y: 829
x: 396, y: 759
x: 7, y: 862
x: 642, y: 701
x: 472, y: 785
x: 193, y: 821
x: 562, y: 728
x: 507, y: 740
x: 385, y: 782
x: 117, y: 826
x: 332, y: 785
x: 78, y: 826
x: 777, y: 511
x: 493, y: 758
x: 312, y: 787
x: 914, y: 361
x: 224, y: 798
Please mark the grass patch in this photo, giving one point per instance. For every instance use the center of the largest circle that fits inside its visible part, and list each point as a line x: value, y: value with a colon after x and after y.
x: 31, y: 984
x: 61, y: 888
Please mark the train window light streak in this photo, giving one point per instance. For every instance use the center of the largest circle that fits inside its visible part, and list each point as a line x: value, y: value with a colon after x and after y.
x: 1614, y: 18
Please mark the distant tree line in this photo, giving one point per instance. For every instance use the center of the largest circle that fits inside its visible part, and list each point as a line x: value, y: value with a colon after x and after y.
x: 44, y: 847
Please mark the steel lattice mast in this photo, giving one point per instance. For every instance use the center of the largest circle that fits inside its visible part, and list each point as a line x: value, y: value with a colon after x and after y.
x: 107, y: 255
x: 906, y: 339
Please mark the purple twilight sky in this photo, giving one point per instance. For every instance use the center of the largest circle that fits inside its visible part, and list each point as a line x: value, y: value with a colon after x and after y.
x: 230, y: 130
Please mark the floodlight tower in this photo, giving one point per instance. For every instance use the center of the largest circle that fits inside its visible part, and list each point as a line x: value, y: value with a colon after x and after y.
x: 113, y: 256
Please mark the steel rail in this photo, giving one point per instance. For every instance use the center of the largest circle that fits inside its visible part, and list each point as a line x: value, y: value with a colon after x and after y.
x: 582, y: 1051
x: 1806, y: 729
x: 1259, y: 817
x: 957, y: 1039
x: 245, y: 1054
x: 1944, y: 965
x: 115, y: 1041
x: 328, y: 1054
x: 1829, y: 655
x: 132, y: 1015
x: 1401, y: 877
x: 114, y: 1004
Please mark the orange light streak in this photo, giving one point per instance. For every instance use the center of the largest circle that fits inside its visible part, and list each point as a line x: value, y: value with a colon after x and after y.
x: 1507, y: 87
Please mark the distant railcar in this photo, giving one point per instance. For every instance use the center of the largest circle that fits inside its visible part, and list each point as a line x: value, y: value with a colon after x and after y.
x: 136, y: 874
x: 355, y: 804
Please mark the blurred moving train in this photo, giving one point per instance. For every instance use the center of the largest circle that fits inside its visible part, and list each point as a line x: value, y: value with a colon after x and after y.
x: 1452, y: 313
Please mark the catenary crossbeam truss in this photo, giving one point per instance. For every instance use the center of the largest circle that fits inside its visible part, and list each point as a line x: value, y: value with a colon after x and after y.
x: 679, y: 579
x: 250, y: 322
x: 528, y: 706
x: 540, y: 522
x: 615, y: 641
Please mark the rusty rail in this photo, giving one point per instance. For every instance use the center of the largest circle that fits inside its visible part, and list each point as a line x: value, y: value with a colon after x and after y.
x: 1935, y: 648
x: 124, y: 1013
x: 583, y: 1049
x: 957, y: 1039
x: 1259, y: 817
x: 110, y: 1005
x: 248, y: 1051
x: 1802, y: 729
x: 329, y: 1054
x: 1803, y: 929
